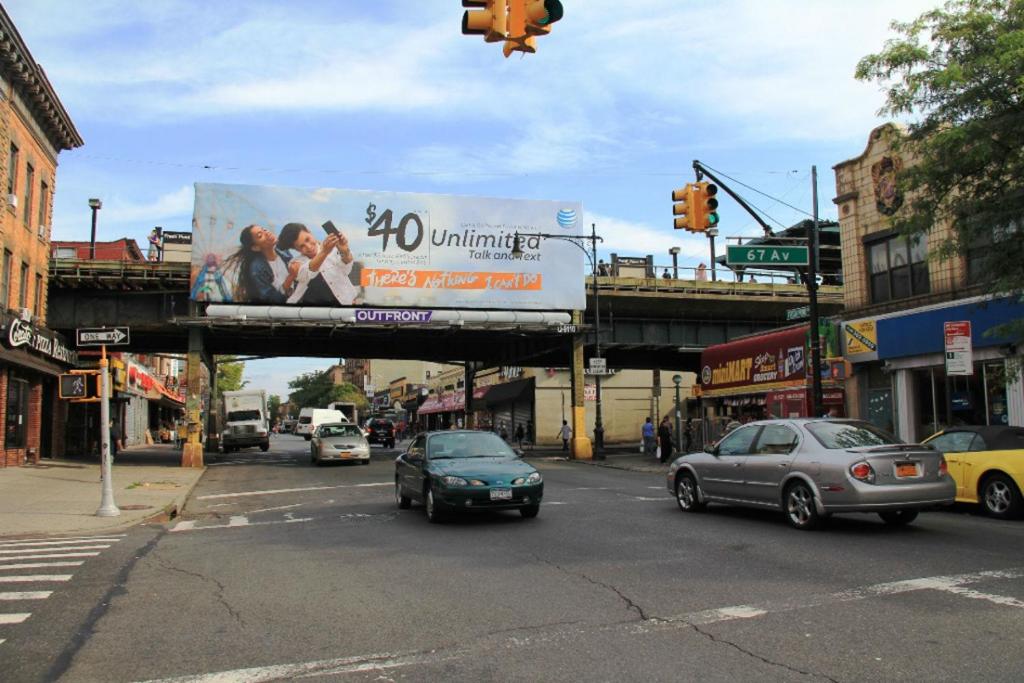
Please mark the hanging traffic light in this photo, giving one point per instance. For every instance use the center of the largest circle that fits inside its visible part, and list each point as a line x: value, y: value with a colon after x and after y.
x: 528, y: 19
x: 540, y: 14
x: 487, y: 18
x: 706, y: 205
x: 684, y: 207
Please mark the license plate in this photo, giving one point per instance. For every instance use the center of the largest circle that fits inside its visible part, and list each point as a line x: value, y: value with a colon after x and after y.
x: 501, y: 494
x: 345, y: 454
x: 906, y: 469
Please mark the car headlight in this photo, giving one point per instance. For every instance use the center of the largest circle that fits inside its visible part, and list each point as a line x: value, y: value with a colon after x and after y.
x: 533, y: 478
x: 454, y: 481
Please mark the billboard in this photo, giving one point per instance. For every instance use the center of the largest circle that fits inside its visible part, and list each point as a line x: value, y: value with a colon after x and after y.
x: 329, y: 247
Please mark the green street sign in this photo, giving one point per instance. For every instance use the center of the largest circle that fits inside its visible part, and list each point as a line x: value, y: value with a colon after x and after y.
x: 798, y: 313
x: 743, y: 255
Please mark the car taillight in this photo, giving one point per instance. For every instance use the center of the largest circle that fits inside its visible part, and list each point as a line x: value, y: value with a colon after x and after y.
x: 862, y: 471
x: 943, y: 467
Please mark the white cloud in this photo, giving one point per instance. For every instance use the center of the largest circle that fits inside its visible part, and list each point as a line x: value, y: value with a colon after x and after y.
x: 118, y: 210
x: 628, y: 238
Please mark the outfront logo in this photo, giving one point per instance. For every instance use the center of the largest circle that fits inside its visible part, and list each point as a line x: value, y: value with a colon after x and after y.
x: 567, y: 218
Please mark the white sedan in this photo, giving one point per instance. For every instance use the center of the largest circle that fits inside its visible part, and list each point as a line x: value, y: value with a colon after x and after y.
x: 338, y: 441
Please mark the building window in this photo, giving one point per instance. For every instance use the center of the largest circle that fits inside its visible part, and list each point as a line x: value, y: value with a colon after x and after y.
x: 30, y: 181
x: 17, y: 413
x: 12, y: 170
x: 44, y: 199
x: 65, y: 252
x: 23, y: 285
x: 898, y: 268
x: 39, y: 296
x: 5, y: 285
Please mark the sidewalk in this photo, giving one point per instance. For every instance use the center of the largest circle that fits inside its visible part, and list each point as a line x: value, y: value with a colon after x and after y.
x: 619, y: 457
x: 61, y: 497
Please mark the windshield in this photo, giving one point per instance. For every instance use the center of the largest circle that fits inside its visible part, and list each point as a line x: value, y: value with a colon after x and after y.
x: 340, y: 430
x: 243, y: 416
x: 468, y: 445
x: 850, y: 434
x: 305, y: 420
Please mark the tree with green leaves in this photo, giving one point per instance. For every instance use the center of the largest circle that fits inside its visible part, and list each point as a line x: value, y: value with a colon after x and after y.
x: 229, y: 374
x: 273, y: 406
x: 316, y: 390
x: 957, y: 74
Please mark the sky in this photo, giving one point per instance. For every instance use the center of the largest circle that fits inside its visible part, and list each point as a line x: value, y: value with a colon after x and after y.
x: 611, y: 111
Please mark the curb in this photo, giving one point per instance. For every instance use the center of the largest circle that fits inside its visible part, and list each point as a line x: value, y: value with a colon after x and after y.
x: 610, y: 465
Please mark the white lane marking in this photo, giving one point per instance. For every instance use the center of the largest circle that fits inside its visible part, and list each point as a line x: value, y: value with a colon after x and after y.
x: 592, y: 488
x: 1004, y: 600
x: 38, y: 565
x: 45, y: 557
x: 246, y: 524
x: 53, y: 550
x: 325, y: 667
x: 61, y: 539
x: 279, y: 507
x: 2, y: 641
x: 26, y: 595
x: 35, y: 577
x: 644, y: 499
x: 554, y: 502
x: 238, y: 520
x: 219, y: 505
x: 298, y: 490
x: 14, y: 618
x: 70, y: 544
x: 184, y: 525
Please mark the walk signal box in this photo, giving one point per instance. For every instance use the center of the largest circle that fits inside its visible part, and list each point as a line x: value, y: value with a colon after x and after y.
x: 80, y: 386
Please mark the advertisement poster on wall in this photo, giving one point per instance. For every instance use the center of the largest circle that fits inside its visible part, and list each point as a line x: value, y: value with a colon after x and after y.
x: 332, y: 247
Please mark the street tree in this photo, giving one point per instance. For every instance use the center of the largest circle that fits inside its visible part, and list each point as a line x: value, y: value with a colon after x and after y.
x: 956, y: 75
x: 316, y: 390
x: 229, y: 374
x: 273, y: 406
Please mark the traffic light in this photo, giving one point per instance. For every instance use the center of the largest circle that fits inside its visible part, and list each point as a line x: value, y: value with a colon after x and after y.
x: 80, y: 386
x: 684, y: 207
x: 487, y: 18
x: 528, y: 19
x: 706, y: 205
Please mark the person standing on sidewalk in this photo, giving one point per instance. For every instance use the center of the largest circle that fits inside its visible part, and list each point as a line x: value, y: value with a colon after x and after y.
x: 565, y: 433
x: 665, y: 437
x: 115, y: 439
x: 688, y: 434
x: 650, y: 443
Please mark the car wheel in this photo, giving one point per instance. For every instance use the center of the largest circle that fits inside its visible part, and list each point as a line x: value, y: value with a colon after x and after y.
x: 798, y: 504
x: 898, y: 517
x: 530, y: 511
x: 403, y: 502
x: 434, y: 513
x: 1000, y: 497
x: 686, y: 494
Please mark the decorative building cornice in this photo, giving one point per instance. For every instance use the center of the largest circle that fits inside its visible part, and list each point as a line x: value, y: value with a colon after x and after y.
x: 29, y: 79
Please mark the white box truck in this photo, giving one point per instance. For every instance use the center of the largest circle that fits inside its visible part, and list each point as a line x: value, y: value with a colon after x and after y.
x: 246, y: 422
x: 349, y: 410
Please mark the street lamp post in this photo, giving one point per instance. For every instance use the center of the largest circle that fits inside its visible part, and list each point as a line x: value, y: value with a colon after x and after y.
x: 675, y: 262
x: 95, y: 205
x: 593, y: 238
x: 712, y: 234
x: 677, y: 380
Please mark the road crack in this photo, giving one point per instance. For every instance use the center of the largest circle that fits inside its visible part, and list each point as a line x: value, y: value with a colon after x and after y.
x: 715, y: 639
x: 219, y: 593
x: 630, y: 604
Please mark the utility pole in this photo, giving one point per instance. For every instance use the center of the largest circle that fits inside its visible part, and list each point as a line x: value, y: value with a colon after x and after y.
x: 812, y: 295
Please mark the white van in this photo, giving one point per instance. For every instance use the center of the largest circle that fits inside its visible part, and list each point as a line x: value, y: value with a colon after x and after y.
x: 311, y: 418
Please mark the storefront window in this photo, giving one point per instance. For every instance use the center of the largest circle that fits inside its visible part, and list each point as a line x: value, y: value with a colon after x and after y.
x: 17, y: 413
x: 879, y: 398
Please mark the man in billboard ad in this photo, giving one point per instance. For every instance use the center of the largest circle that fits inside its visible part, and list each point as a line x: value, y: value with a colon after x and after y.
x: 327, y: 247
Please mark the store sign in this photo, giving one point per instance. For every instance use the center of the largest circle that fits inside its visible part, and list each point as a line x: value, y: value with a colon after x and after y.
x: 959, y: 352
x: 757, y: 362
x: 861, y: 337
x: 392, y: 249
x: 21, y: 334
x: 589, y: 392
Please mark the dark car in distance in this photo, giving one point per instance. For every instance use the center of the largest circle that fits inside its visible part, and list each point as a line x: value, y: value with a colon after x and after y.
x: 381, y: 431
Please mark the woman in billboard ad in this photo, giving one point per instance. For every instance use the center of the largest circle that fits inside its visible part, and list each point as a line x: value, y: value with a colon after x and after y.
x: 262, y: 270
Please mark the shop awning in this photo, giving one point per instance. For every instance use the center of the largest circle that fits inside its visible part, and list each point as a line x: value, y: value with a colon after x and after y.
x: 19, y: 357
x: 509, y: 391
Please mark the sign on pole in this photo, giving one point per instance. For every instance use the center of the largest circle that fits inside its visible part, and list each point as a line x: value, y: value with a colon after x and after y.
x: 102, y: 336
x: 743, y: 255
x: 598, y: 366
x: 798, y: 313
x: 959, y: 352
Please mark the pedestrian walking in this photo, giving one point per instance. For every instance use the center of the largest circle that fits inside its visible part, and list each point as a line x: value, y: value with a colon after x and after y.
x: 665, y: 437
x: 503, y: 432
x: 650, y: 442
x: 565, y: 433
x: 689, y: 433
x: 520, y: 435
x: 115, y: 439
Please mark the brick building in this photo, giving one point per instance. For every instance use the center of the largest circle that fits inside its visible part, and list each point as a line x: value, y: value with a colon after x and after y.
x: 124, y: 249
x: 34, y: 129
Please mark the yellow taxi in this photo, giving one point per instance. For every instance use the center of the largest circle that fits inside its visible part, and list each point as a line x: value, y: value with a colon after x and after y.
x: 987, y: 464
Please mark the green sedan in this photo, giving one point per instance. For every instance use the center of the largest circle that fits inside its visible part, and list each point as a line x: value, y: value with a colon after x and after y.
x: 465, y: 470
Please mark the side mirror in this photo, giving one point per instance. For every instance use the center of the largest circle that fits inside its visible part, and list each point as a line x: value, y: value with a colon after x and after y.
x: 518, y: 452
x: 711, y: 449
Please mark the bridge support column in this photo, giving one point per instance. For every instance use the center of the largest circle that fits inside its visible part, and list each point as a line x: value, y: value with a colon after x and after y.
x: 192, y: 455
x: 470, y: 421
x: 213, y: 414
x: 582, y: 449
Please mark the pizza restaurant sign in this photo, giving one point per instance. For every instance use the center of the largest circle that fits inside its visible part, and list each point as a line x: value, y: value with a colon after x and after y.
x: 21, y: 334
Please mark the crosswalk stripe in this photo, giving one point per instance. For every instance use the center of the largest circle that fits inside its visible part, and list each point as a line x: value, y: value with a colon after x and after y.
x: 68, y: 542
x: 37, y: 565
x: 29, y: 578
x: 72, y: 548
x: 185, y: 525
x: 107, y: 537
x: 14, y: 618
x: 26, y: 595
x: 44, y: 557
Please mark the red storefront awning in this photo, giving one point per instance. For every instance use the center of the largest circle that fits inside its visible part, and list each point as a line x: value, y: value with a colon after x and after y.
x: 765, y: 362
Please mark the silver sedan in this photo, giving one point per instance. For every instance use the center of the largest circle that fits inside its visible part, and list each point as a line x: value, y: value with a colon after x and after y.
x: 809, y: 468
x: 338, y: 441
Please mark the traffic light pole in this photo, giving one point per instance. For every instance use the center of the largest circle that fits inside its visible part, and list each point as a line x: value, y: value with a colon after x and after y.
x: 107, y: 506
x: 702, y: 171
x: 812, y: 296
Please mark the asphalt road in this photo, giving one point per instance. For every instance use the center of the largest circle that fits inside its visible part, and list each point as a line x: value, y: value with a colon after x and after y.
x: 279, y: 570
